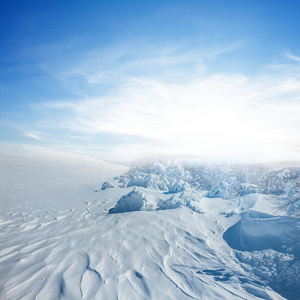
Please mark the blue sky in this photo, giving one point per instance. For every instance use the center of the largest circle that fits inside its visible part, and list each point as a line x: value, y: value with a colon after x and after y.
x: 120, y: 80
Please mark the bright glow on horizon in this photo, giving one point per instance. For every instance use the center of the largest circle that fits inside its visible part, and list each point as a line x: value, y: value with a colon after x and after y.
x: 220, y: 117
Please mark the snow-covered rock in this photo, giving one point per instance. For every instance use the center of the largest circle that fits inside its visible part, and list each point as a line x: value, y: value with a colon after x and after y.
x: 107, y: 185
x: 136, y: 200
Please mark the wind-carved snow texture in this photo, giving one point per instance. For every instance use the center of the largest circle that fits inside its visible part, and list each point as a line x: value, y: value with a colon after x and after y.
x: 172, y: 231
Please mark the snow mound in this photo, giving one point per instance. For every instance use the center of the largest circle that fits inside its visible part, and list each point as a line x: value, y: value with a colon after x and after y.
x: 107, y: 185
x: 136, y: 200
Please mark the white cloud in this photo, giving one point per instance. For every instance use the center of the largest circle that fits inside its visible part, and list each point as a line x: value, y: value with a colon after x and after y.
x: 220, y: 117
x: 162, y: 100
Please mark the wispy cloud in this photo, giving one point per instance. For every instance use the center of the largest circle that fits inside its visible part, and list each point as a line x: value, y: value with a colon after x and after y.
x: 293, y: 57
x: 33, y: 135
x: 138, y: 59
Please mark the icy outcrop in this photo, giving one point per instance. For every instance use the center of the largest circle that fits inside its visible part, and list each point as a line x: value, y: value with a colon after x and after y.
x: 136, y: 200
x: 107, y: 185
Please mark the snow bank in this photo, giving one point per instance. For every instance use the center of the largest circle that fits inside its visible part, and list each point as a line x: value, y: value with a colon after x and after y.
x: 260, y: 231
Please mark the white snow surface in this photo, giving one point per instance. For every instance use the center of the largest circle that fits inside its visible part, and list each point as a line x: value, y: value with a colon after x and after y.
x: 156, y: 235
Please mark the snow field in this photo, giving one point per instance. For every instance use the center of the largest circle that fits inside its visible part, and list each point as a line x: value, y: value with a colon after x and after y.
x: 63, y: 237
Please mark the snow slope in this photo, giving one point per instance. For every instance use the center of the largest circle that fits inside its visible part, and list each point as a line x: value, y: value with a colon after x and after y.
x: 155, y: 237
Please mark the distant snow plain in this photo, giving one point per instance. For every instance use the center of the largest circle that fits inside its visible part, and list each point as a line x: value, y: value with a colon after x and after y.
x: 63, y: 237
